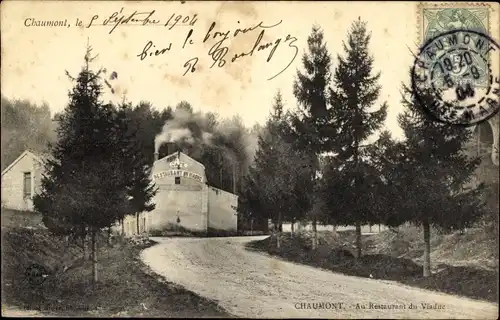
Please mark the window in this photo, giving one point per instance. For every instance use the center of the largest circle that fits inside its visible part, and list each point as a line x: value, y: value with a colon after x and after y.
x: 177, y: 180
x: 27, y: 185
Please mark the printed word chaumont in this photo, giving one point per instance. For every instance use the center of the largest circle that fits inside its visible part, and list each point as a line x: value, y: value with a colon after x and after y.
x: 32, y: 22
x: 318, y: 305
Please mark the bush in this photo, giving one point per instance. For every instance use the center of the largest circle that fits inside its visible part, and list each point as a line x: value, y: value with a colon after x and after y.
x: 340, y: 254
x: 156, y: 233
x: 140, y: 240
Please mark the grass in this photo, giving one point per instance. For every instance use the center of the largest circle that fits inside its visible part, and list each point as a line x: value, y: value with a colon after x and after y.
x: 126, y: 287
x: 397, y: 257
x: 15, y: 218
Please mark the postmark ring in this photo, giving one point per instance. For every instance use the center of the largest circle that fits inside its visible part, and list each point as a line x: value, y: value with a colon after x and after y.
x: 454, y: 78
x: 36, y: 274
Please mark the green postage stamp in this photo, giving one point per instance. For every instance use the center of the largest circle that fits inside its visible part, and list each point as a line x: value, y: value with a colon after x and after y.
x: 437, y: 18
x: 457, y: 62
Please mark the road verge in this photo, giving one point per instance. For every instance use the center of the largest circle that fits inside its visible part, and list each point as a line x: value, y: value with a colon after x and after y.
x: 125, y: 288
x: 336, y: 255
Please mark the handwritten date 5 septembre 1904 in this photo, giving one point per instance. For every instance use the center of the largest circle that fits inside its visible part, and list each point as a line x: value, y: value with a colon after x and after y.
x: 219, y: 51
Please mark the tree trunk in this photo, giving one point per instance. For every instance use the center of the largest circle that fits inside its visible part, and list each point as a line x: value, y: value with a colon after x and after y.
x: 370, y: 228
x: 221, y: 179
x: 358, y: 239
x: 84, y: 243
x: 94, y: 258
x: 251, y: 227
x: 427, y: 248
x: 315, y: 235
x: 123, y: 226
x: 379, y: 228
x: 334, y: 227
x: 234, y: 178
x: 278, y: 231
x: 109, y: 236
x: 292, y: 229
x: 137, y: 222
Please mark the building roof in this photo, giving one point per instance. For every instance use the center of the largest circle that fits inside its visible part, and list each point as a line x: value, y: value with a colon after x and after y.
x: 37, y: 157
x: 179, y: 153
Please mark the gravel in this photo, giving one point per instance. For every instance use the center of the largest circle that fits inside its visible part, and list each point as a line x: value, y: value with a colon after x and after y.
x: 256, y: 285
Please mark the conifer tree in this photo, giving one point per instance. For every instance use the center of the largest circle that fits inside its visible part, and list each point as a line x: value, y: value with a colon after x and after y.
x: 274, y: 185
x: 434, y: 174
x: 86, y: 183
x: 354, y: 95
x: 312, y: 129
x: 141, y: 189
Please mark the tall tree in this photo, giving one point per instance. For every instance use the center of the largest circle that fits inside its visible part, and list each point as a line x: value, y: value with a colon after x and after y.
x: 433, y: 178
x: 146, y: 122
x: 274, y: 185
x: 248, y: 213
x: 229, y: 140
x: 85, y: 185
x: 385, y: 155
x: 311, y: 126
x: 355, y: 93
x: 141, y: 189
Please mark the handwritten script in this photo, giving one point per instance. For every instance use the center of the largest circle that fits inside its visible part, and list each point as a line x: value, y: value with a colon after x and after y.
x: 147, y: 18
x: 220, y: 53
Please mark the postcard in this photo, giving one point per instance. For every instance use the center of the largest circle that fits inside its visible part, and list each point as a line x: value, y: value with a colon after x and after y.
x: 255, y: 159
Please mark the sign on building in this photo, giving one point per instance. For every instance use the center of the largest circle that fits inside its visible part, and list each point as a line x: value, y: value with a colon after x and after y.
x: 178, y: 173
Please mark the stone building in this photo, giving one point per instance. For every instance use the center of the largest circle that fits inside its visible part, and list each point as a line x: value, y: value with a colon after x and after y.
x: 485, y: 145
x: 185, y: 200
x: 21, y: 180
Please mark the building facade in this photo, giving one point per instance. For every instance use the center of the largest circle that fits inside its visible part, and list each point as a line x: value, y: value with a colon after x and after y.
x: 185, y: 201
x: 485, y: 145
x: 21, y: 180
x: 132, y: 225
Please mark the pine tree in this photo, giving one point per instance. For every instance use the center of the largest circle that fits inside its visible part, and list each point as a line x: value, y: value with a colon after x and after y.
x: 356, y: 92
x: 276, y: 181
x: 385, y: 156
x: 433, y: 177
x: 311, y: 124
x: 141, y: 189
x: 84, y: 188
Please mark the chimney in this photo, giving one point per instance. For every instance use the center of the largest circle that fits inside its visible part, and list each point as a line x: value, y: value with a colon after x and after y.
x: 156, y: 156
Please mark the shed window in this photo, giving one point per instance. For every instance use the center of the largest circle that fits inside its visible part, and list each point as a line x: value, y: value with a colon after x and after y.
x: 27, y: 185
x: 177, y: 180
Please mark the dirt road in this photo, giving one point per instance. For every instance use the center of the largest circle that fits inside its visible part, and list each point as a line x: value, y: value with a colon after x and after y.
x: 14, y: 312
x: 255, y: 285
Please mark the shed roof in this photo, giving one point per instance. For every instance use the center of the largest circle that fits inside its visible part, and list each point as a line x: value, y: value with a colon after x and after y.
x: 38, y: 157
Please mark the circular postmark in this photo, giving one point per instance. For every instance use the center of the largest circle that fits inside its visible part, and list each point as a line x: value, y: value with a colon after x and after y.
x: 455, y: 77
x: 36, y: 274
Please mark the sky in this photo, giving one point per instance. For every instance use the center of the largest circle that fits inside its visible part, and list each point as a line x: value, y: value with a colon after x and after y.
x: 34, y: 58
